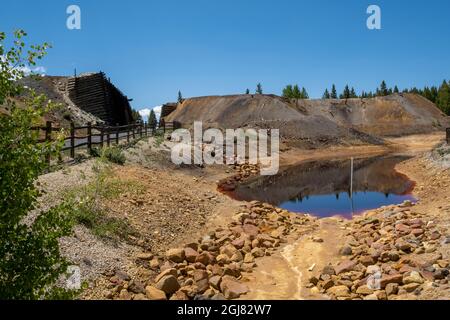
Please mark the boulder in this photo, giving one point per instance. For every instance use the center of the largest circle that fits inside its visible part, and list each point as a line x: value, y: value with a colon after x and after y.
x: 169, y: 284
x: 413, y: 277
x: 339, y: 291
x: 171, y: 271
x: 153, y: 293
x: 386, y: 279
x: 231, y: 288
x: 175, y: 255
x: 190, y: 254
x: 345, y: 266
x: 205, y: 258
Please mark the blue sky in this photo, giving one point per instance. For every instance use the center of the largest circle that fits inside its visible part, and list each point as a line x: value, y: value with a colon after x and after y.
x: 152, y: 49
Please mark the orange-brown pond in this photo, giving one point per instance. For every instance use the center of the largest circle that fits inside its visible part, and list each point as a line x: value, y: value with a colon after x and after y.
x: 322, y: 188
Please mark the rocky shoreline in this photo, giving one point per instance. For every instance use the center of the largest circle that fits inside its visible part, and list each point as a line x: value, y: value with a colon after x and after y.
x: 391, y: 253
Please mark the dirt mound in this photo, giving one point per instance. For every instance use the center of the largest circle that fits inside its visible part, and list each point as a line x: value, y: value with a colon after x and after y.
x: 393, y: 115
x: 296, y: 125
x: 316, y: 122
x: 55, y: 88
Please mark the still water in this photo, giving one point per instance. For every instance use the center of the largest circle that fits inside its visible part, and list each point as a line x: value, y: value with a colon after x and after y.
x: 322, y: 188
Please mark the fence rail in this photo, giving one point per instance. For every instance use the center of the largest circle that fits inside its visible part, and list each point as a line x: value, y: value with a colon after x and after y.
x: 101, y: 135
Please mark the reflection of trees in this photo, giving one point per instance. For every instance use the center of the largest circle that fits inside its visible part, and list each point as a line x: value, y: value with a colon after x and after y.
x: 327, y: 177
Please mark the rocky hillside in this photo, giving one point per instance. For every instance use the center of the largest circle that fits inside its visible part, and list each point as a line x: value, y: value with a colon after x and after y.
x: 316, y: 122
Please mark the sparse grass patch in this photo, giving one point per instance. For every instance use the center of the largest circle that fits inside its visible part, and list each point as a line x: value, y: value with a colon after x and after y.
x: 87, y: 207
x: 114, y: 155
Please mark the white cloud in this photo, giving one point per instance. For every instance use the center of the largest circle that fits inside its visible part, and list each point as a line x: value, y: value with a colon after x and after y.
x: 146, y: 112
x: 27, y: 70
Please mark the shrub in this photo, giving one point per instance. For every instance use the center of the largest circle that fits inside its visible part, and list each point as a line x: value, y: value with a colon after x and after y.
x: 30, y: 261
x: 114, y: 155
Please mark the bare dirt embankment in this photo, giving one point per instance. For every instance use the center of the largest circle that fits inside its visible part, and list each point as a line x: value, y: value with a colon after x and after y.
x: 317, y: 123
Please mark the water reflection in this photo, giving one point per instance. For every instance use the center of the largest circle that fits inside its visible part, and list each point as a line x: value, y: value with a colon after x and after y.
x: 322, y: 188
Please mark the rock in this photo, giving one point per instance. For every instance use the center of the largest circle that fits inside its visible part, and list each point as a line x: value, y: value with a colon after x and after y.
x: 228, y: 250
x: 328, y: 269
x: 345, y: 266
x: 140, y: 296
x: 314, y: 280
x: 366, y: 261
x: 136, y: 286
x: 122, y: 275
x: 179, y: 296
x: 258, y: 252
x: 372, y: 296
x: 205, y: 258
x: 401, y: 244
x: 153, y: 293
x: 167, y: 272
x: 364, y: 290
x: 413, y: 277
x: 231, y: 288
x: 154, y: 263
x: 339, y: 291
x: 222, y: 259
x: 190, y: 254
x: 393, y: 256
x: 402, y: 228
x: 417, y: 232
x: 346, y: 251
x: 175, y: 255
x: 124, y: 295
x: 411, y: 287
x: 440, y: 273
x: 201, y: 280
x: 251, y: 230
x: 214, y: 281
x: 327, y: 284
x: 169, y: 284
x: 386, y: 279
x: 391, y: 288
x: 238, y: 243
x: 145, y: 256
x: 237, y: 257
x: 372, y: 269
x: 249, y: 258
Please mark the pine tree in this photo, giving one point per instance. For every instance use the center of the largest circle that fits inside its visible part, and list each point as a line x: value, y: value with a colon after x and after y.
x: 353, y: 93
x: 180, y: 97
x: 247, y: 91
x: 152, y: 121
x: 383, y: 91
x: 333, y: 94
x: 443, y: 98
x: 346, y: 93
x: 297, y: 94
x: 304, y: 94
x: 288, y: 92
x: 326, y: 94
x: 396, y: 89
x: 259, y: 89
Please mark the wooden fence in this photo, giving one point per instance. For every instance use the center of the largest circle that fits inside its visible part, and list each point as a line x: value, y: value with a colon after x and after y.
x: 101, y: 135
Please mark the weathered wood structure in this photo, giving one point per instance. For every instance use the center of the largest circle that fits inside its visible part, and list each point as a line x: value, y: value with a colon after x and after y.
x: 167, y: 109
x: 94, y: 93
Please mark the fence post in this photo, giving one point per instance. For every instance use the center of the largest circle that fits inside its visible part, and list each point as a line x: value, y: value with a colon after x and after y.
x: 89, y: 137
x: 108, y: 137
x: 101, y: 137
x: 140, y: 130
x: 72, y: 140
x: 145, y: 129
x: 128, y: 134
x: 48, y: 137
x: 448, y: 135
x: 117, y: 134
